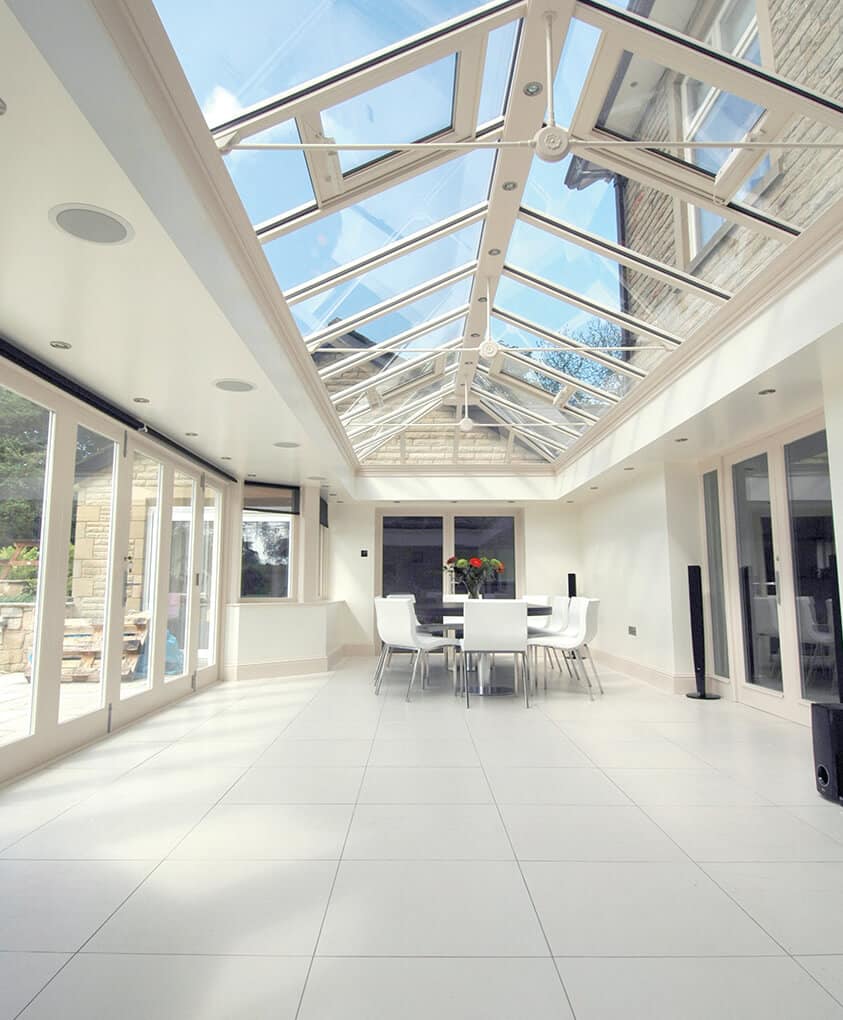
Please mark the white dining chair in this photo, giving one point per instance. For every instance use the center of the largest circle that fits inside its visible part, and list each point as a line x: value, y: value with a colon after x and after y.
x: 812, y: 636
x: 574, y: 640
x: 496, y: 626
x: 398, y: 631
x: 537, y: 600
x: 556, y: 623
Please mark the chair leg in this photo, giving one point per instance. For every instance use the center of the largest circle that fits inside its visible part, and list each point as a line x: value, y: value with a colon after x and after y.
x: 593, y: 667
x: 379, y: 668
x: 527, y: 679
x: 576, y: 659
x: 387, y: 651
x: 463, y: 666
x: 416, y: 658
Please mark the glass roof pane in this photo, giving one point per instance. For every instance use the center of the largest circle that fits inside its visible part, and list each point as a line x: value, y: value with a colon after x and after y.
x: 605, y: 281
x: 558, y: 317
x: 731, y: 26
x: 584, y: 194
x: 406, y: 109
x: 500, y: 56
x: 540, y: 404
x: 389, y: 280
x: 577, y: 54
x: 637, y: 107
x: 234, y: 58
x: 796, y: 185
x: 446, y: 299
x: 271, y: 182
x: 351, y: 233
x: 423, y: 343
x: 594, y: 373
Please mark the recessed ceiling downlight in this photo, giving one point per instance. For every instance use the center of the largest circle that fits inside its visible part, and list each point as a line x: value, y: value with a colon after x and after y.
x: 234, y: 385
x: 90, y: 223
x: 60, y: 345
x: 286, y: 446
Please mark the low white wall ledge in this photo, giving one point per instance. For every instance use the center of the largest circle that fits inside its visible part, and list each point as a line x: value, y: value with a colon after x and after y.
x: 273, y: 637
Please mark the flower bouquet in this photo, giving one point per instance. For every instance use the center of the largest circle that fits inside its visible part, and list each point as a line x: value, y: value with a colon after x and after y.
x: 473, y: 572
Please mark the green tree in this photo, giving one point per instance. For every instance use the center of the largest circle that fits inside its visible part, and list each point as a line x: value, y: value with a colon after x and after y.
x: 24, y: 436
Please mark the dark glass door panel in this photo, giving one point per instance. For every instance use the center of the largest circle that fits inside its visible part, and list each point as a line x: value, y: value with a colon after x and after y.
x: 493, y: 537
x: 413, y: 557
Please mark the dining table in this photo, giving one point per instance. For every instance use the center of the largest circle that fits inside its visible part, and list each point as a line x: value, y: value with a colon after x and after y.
x: 481, y: 670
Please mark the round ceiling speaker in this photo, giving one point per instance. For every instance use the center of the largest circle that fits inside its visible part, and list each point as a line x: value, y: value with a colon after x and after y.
x: 489, y: 348
x: 551, y: 144
x: 234, y: 385
x: 89, y: 223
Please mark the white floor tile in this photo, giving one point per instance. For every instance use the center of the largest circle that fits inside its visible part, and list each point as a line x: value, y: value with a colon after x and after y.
x: 54, y: 906
x: 422, y: 785
x: 662, y: 909
x: 683, y: 786
x: 586, y: 833
x: 554, y: 751
x: 548, y: 785
x: 639, y: 754
x: 118, y: 755
x: 427, y: 832
x: 423, y: 989
x: 430, y: 908
x: 828, y: 970
x: 252, y: 832
x: 336, y: 753
x: 429, y: 753
x: 269, y: 908
x: 747, y: 833
x: 173, y: 988
x: 728, y: 989
x: 296, y: 784
x: 22, y: 976
x: 824, y: 816
x: 208, y: 752
x: 800, y: 905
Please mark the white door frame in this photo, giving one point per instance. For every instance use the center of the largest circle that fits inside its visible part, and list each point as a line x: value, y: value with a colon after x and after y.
x: 788, y: 703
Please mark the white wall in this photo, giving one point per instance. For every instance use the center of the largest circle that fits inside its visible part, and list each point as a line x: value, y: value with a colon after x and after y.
x: 626, y: 564
x: 551, y: 547
x: 351, y: 577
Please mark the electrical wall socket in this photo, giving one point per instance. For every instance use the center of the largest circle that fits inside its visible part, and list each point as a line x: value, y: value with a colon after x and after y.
x: 633, y: 631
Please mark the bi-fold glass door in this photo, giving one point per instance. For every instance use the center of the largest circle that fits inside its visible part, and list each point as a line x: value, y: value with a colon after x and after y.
x: 781, y: 573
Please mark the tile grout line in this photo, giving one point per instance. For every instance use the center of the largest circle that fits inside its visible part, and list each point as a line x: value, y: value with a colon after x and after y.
x: 521, y: 870
x: 149, y: 874
x: 339, y: 863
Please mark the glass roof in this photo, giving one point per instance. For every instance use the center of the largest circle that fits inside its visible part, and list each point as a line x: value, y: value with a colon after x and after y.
x: 692, y: 167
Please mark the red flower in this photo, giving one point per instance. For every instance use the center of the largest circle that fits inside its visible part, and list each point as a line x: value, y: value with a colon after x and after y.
x: 450, y: 559
x: 475, y: 562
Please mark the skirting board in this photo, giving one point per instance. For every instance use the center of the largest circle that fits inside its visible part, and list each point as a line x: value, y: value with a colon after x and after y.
x: 285, y: 668
x: 670, y: 683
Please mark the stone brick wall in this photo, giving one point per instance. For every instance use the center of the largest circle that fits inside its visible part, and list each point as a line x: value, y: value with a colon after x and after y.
x: 17, y: 629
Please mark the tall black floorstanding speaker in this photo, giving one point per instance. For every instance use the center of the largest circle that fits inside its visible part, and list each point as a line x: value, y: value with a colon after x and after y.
x: 695, y: 597
x: 572, y: 586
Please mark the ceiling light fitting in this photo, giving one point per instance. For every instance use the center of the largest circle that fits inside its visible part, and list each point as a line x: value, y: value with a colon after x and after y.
x: 60, y: 345
x: 494, y: 251
x: 286, y: 446
x: 510, y: 185
x: 234, y: 385
x: 533, y: 88
x: 766, y: 392
x: 140, y: 400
